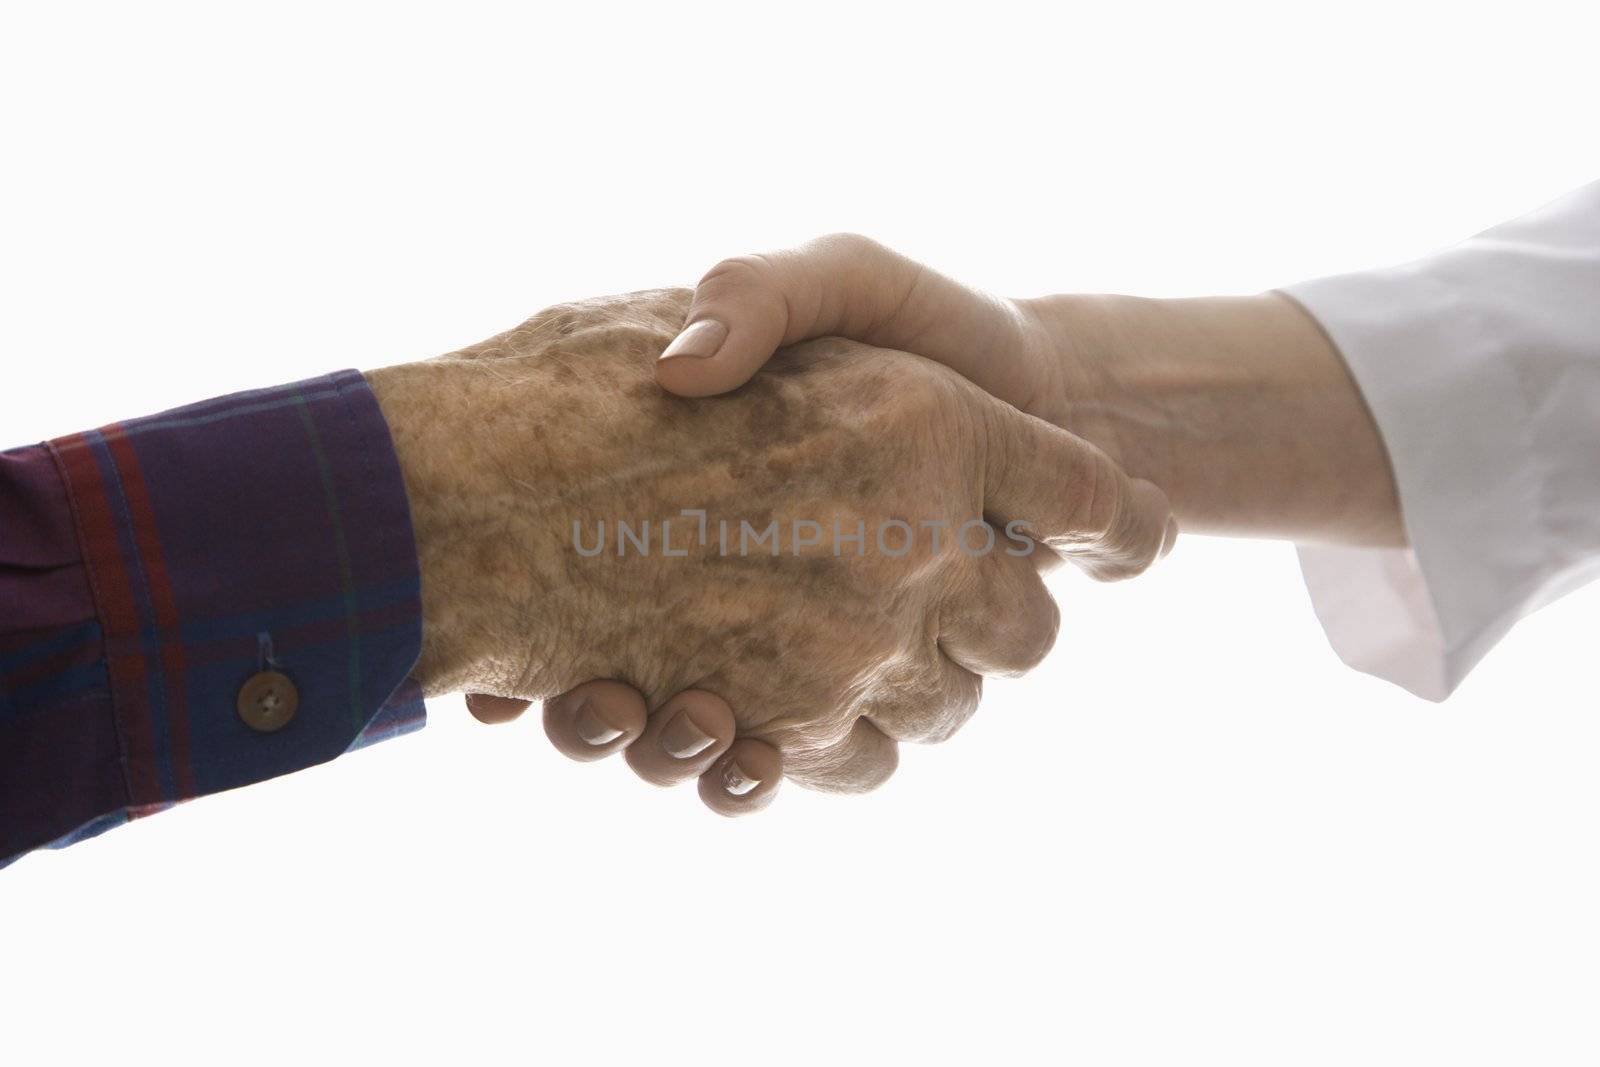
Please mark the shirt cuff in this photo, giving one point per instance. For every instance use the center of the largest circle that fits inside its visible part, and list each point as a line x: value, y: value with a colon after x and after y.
x: 1422, y: 617
x: 267, y: 530
x: 1481, y: 367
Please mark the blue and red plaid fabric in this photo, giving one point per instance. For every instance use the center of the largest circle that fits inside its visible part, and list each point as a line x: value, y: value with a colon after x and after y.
x: 150, y: 568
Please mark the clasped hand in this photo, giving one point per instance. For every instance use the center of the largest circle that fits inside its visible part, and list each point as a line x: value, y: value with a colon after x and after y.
x: 785, y: 581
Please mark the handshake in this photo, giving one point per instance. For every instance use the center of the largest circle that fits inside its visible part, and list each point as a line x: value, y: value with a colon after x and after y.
x: 738, y: 570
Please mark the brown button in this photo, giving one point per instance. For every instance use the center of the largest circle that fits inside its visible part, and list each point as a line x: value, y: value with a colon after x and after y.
x: 268, y: 701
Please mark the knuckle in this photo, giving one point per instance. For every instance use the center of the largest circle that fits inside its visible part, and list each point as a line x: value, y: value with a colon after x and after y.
x: 1038, y: 625
x: 559, y: 320
x: 1099, y: 505
x: 930, y: 707
x: 1138, y: 535
x: 1118, y: 566
x: 738, y: 272
x: 895, y: 411
x: 930, y: 401
x: 751, y: 284
x: 857, y: 759
x: 856, y: 775
x: 960, y: 705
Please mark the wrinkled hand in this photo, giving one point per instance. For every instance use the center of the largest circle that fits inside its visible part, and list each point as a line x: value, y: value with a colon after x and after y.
x: 826, y: 654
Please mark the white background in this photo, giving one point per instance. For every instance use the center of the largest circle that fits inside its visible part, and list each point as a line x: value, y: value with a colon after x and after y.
x: 1191, y: 837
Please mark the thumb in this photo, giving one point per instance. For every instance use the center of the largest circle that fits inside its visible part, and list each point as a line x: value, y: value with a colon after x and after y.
x: 843, y: 285
x: 738, y: 318
x: 1061, y: 490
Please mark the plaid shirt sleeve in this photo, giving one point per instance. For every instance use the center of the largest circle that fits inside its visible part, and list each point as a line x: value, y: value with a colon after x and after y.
x: 150, y: 569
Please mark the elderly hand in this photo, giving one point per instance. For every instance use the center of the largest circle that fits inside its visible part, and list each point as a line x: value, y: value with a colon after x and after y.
x: 823, y: 649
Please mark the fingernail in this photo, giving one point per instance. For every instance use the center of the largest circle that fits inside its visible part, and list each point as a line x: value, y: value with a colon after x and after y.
x: 1170, y: 539
x: 681, y: 738
x: 592, y: 728
x: 736, y: 781
x: 698, y: 341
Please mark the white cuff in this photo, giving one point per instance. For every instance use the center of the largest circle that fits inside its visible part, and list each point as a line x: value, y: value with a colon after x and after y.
x: 1481, y: 366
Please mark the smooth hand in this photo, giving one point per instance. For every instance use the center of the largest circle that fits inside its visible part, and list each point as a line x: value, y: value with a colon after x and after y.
x: 1239, y: 407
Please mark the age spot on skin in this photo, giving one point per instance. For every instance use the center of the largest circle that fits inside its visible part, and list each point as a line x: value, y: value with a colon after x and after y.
x: 581, y: 431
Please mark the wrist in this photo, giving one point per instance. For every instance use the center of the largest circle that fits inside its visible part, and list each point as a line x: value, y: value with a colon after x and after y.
x: 480, y: 628
x: 1238, y: 407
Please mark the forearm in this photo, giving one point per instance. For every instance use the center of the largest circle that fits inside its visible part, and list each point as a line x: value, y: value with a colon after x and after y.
x: 1239, y: 407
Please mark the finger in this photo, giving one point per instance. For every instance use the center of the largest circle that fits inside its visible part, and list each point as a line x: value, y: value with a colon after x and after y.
x: 594, y: 720
x: 861, y: 761
x: 744, y: 780
x: 1058, y: 488
x: 1001, y: 620
x: 841, y: 285
x: 932, y: 712
x: 493, y: 709
x: 683, y: 738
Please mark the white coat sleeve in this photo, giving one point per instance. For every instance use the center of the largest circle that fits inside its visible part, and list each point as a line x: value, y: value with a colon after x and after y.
x: 1481, y: 365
